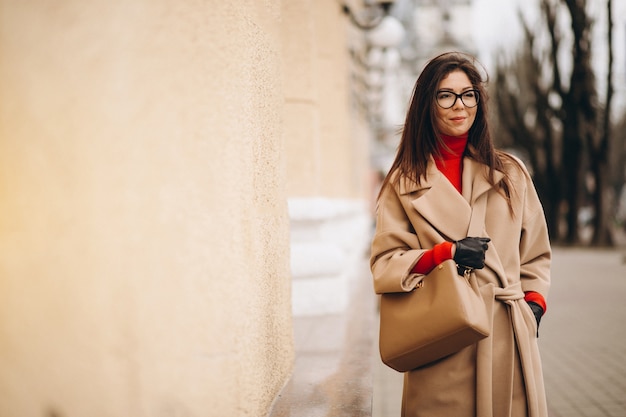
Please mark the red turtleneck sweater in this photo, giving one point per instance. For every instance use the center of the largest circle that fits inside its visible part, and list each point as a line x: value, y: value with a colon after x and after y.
x: 451, y: 165
x: 451, y: 161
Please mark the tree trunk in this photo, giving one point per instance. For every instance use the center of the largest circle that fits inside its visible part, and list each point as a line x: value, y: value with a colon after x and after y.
x: 600, y: 154
x: 601, y: 222
x: 572, y: 169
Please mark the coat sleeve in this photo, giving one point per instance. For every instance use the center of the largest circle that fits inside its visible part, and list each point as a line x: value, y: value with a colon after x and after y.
x: 395, y: 247
x: 535, y: 251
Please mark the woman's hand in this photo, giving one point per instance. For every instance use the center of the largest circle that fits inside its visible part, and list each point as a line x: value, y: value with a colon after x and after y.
x: 470, y: 252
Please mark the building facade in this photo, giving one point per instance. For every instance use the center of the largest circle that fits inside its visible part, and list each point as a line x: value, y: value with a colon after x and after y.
x: 165, y: 169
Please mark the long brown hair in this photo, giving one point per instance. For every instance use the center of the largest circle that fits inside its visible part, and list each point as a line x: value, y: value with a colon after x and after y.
x: 420, y: 137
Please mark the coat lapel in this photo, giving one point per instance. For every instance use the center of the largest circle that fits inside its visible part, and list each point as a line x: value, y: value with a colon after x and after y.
x: 475, y: 181
x: 441, y: 205
x: 475, y: 176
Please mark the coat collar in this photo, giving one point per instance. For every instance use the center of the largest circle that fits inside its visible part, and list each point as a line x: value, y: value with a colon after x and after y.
x: 441, y: 204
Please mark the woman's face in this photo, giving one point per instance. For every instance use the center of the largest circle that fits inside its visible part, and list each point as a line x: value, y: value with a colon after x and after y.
x: 456, y: 120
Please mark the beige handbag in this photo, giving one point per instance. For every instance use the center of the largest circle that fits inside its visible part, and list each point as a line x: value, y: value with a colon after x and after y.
x: 444, y: 314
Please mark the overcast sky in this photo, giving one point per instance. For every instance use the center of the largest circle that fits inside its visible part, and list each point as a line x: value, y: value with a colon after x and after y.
x: 496, y: 27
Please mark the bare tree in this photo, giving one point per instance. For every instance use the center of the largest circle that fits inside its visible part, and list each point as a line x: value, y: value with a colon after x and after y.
x: 525, y: 121
x: 558, y: 120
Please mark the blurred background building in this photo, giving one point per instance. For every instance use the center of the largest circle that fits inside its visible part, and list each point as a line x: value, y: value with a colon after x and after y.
x: 183, y: 184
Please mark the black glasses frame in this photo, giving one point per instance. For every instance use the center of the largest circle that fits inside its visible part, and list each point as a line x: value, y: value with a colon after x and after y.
x: 457, y: 97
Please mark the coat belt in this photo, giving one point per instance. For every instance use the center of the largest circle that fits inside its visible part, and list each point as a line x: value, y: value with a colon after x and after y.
x: 524, y: 336
x: 510, y: 293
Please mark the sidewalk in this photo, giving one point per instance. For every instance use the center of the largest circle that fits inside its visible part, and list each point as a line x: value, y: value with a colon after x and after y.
x: 582, y: 340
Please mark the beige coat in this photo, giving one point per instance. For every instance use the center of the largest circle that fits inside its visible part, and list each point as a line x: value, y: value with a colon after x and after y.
x: 501, y: 375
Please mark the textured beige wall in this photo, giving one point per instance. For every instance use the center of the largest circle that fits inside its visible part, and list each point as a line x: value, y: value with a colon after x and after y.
x: 143, y: 227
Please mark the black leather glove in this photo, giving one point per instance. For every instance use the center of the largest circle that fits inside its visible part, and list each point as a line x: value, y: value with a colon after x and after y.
x: 470, y: 252
x: 537, y: 311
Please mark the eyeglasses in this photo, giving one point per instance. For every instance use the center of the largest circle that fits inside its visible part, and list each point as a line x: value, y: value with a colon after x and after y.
x: 447, y: 99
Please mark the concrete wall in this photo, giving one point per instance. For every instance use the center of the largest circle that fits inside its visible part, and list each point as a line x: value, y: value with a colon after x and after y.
x: 144, y: 258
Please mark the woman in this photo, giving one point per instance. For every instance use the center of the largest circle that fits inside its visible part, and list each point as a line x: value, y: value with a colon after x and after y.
x: 445, y: 161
